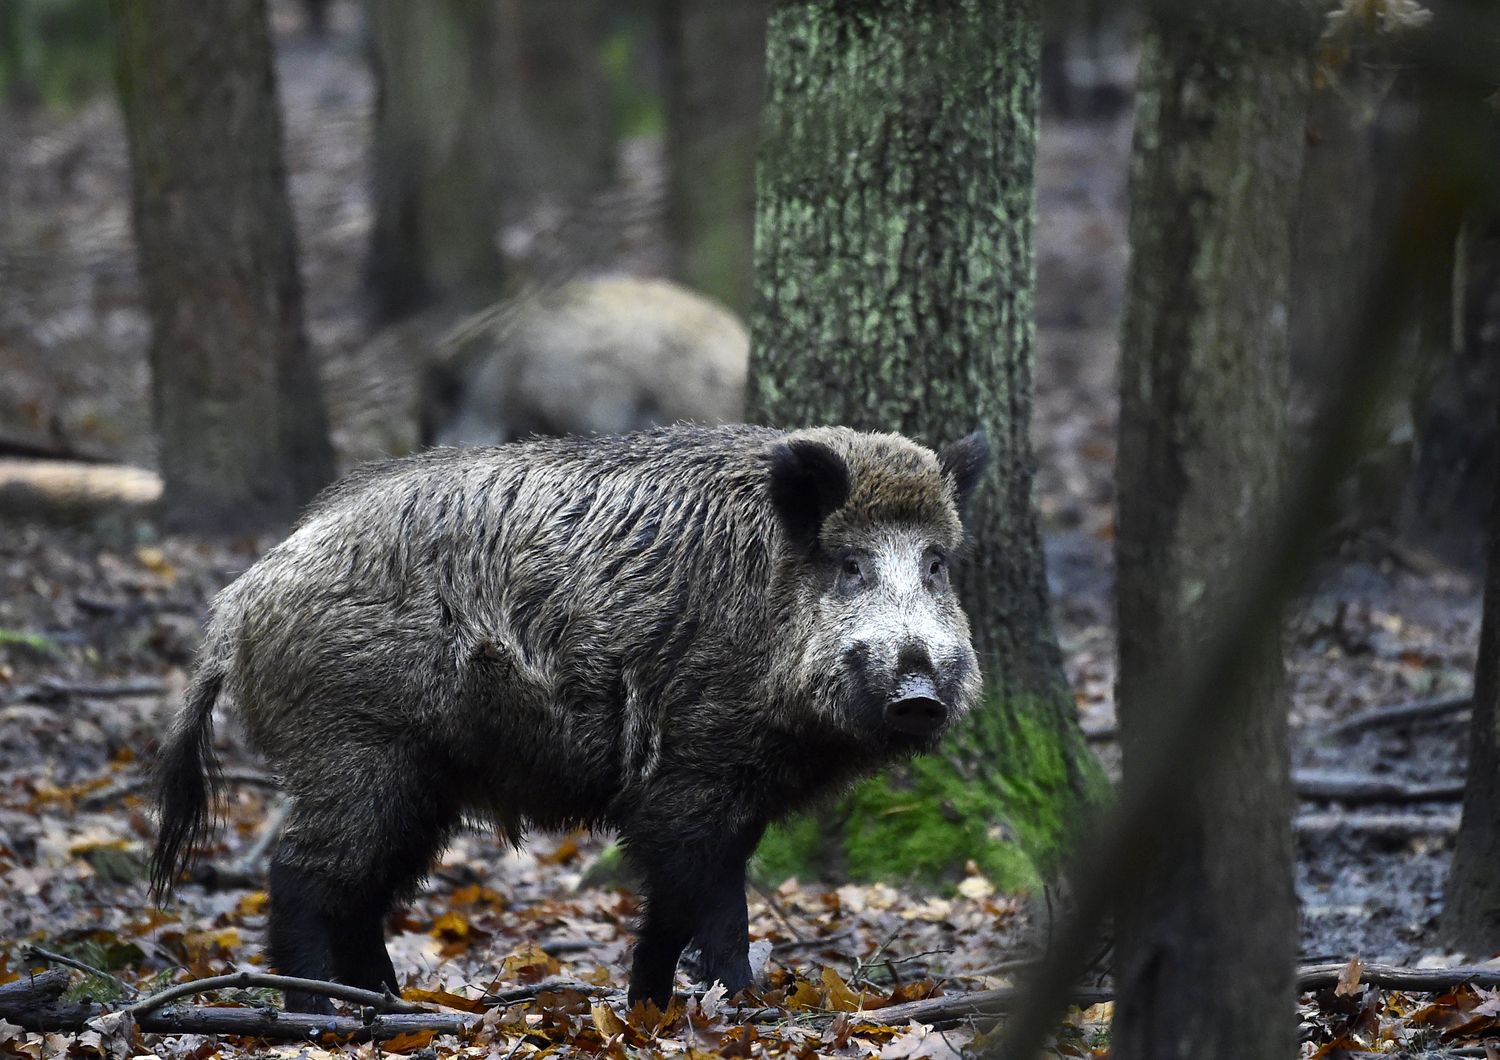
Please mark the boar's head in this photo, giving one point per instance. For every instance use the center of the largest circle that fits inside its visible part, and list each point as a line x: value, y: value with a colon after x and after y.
x: 870, y: 525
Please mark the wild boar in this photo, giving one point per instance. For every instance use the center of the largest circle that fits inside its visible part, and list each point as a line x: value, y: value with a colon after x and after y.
x: 681, y: 634
x: 597, y: 356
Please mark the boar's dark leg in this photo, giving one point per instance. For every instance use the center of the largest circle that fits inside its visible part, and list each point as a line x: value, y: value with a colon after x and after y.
x: 340, y: 866
x: 695, y: 891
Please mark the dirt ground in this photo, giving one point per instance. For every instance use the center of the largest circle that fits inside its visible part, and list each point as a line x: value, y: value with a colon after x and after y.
x: 97, y: 624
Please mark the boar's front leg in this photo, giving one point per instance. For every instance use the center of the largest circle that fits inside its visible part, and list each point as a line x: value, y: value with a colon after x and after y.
x: 695, y: 892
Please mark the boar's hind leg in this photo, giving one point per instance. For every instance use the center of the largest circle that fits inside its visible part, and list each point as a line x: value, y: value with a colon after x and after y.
x: 335, y: 874
x: 695, y: 892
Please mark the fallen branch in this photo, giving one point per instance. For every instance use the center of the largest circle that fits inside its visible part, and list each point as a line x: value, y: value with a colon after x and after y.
x: 53, y: 692
x: 36, y: 953
x: 555, y: 984
x: 1356, y: 789
x: 1387, y: 826
x: 130, y: 785
x: 383, y: 1002
x: 1392, y: 977
x: 1402, y: 714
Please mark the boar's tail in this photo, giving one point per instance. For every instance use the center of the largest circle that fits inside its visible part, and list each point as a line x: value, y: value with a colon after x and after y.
x: 187, y: 778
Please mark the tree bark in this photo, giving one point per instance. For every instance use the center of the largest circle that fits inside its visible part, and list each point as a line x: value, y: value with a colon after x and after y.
x: 564, y: 88
x: 714, y: 54
x: 1470, y: 921
x: 443, y: 82
x: 243, y: 434
x: 1206, y: 944
x: 894, y: 268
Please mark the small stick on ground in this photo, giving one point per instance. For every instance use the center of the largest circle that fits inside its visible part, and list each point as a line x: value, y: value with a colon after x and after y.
x: 141, y: 781
x: 1384, y: 826
x: 776, y: 907
x: 1402, y: 714
x: 1356, y: 789
x: 36, y: 953
x: 384, y: 1002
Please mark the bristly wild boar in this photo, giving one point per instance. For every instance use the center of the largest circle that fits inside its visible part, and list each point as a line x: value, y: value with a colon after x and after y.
x: 682, y: 634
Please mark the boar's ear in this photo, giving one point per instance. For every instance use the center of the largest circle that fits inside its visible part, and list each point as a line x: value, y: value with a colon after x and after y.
x: 965, y: 461
x: 809, y: 481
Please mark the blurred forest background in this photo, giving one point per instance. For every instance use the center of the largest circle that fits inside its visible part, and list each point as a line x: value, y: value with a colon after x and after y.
x: 460, y: 222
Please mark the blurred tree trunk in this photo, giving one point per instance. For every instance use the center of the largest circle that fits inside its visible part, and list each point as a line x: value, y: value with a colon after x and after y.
x: 570, y: 139
x: 442, y: 86
x: 1206, y: 943
x: 1456, y: 411
x: 894, y: 268
x: 244, y: 438
x: 1471, y: 905
x: 714, y: 53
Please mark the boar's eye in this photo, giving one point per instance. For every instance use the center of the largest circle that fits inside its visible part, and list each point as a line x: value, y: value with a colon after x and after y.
x: 935, y: 574
x: 854, y: 572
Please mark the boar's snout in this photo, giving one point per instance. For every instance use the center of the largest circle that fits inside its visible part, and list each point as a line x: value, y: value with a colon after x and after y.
x: 915, y: 709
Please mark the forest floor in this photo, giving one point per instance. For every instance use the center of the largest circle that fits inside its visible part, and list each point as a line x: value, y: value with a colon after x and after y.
x: 98, y: 624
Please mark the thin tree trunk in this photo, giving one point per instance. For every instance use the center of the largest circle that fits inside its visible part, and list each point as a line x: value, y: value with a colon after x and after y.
x: 244, y: 438
x: 443, y: 84
x: 1206, y: 944
x: 564, y: 89
x: 1471, y: 905
x: 714, y: 53
x: 894, y: 268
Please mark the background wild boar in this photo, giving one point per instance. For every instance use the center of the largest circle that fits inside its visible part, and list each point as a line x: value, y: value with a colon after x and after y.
x: 681, y: 634
x: 599, y: 356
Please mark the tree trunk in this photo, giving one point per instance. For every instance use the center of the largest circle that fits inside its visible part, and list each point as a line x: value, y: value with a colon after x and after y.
x: 894, y: 270
x: 714, y: 53
x: 570, y: 141
x: 244, y: 438
x: 440, y: 139
x: 1457, y: 413
x: 1206, y: 944
x: 1470, y: 921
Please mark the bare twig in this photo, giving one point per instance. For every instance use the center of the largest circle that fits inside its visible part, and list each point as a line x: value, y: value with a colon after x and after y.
x: 1391, y: 977
x: 1360, y: 788
x: 57, y: 691
x: 1390, y: 826
x: 141, y: 781
x: 36, y: 953
x: 511, y: 995
x: 781, y: 914
x: 384, y: 1002
x: 1402, y: 714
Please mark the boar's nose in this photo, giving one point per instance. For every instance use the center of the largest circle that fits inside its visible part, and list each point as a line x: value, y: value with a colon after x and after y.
x: 915, y: 708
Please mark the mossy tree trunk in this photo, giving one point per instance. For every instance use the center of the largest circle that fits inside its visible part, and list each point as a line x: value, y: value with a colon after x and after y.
x: 714, y: 55
x: 443, y: 78
x: 894, y: 270
x: 243, y: 433
x: 1207, y: 940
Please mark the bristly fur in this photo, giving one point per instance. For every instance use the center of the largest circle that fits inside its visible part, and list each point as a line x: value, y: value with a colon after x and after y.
x: 632, y: 632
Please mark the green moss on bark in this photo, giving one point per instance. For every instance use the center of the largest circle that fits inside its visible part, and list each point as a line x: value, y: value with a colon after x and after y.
x: 894, y: 268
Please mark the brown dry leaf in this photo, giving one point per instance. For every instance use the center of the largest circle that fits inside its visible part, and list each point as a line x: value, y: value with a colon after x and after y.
x: 451, y: 927
x: 444, y: 998
x: 566, y: 851
x: 1348, y: 983
x: 529, y: 964
x: 605, y: 1021
x: 804, y: 996
x: 409, y: 1042
x: 252, y: 904
x: 839, y: 997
